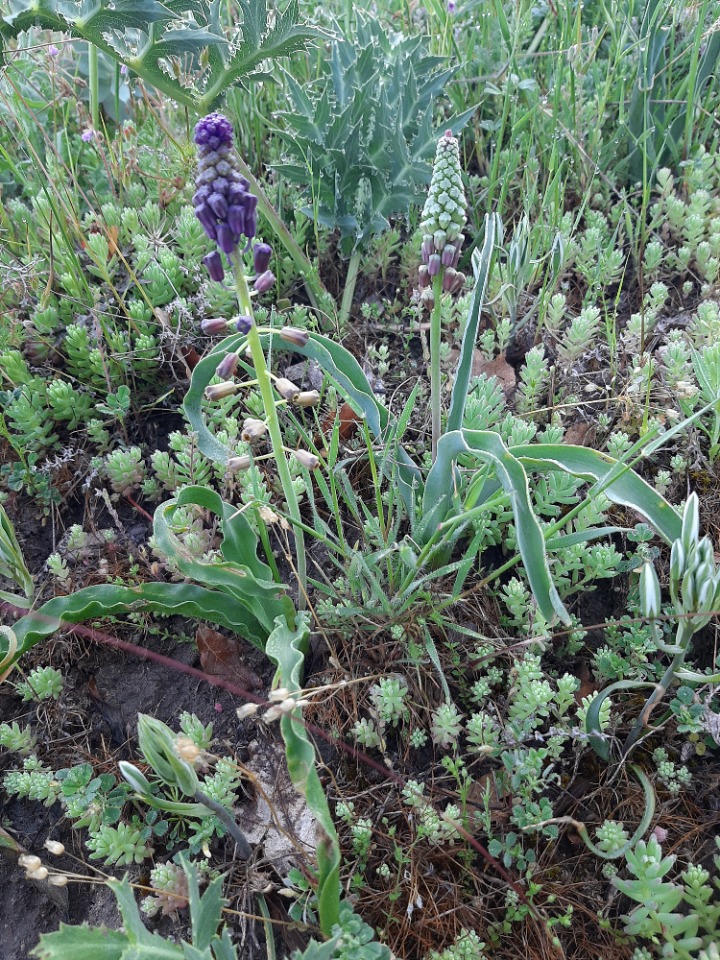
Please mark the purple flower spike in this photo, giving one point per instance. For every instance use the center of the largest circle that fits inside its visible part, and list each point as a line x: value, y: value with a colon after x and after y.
x: 214, y: 264
x: 222, y: 203
x: 264, y: 281
x: 262, y: 252
x: 243, y: 324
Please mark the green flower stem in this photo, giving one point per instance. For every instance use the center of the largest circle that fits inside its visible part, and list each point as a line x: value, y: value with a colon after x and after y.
x: 244, y: 850
x: 273, y: 423
x: 685, y: 633
x: 349, y: 291
x: 93, y: 85
x: 435, y: 331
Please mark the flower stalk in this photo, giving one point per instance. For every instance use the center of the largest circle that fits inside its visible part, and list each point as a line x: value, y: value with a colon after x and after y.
x: 272, y: 421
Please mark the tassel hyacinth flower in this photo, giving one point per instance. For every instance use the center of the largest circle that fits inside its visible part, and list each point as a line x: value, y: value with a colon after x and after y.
x: 228, y: 212
x: 223, y: 203
x: 443, y: 219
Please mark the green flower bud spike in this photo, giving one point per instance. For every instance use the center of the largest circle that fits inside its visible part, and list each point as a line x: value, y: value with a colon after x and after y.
x: 443, y: 218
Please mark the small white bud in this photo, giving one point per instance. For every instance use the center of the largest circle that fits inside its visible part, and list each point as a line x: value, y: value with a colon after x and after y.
x: 58, y: 880
x: 272, y: 713
x: 40, y: 874
x: 247, y: 710
x: 55, y: 847
x: 30, y: 862
x: 281, y: 693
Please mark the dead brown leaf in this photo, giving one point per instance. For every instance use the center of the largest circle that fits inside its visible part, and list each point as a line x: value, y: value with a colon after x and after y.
x: 220, y: 656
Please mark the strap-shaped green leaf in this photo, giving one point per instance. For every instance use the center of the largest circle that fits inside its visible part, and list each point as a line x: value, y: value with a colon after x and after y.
x: 440, y: 489
x: 617, y: 482
x: 261, y: 597
x: 107, y: 600
x: 285, y: 647
x: 461, y: 386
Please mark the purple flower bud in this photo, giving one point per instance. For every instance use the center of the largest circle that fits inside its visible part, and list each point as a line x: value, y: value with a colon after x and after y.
x: 434, y: 265
x: 217, y: 391
x: 201, y: 196
x: 52, y: 50
x: 295, y: 336
x: 237, y: 193
x: 426, y: 249
x: 236, y: 218
x: 225, y: 238
x: 243, y: 324
x: 251, y: 202
x: 262, y: 252
x: 124, y: 70
x: 227, y: 366
x: 458, y: 283
x: 208, y: 220
x: 87, y: 135
x: 286, y: 388
x: 214, y: 264
x: 250, y: 222
x: 214, y: 325
x: 264, y: 281
x: 448, y: 255
x: 448, y: 279
x: 218, y: 205
x: 423, y: 277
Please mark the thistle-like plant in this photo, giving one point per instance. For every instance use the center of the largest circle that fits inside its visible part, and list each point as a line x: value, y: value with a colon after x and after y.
x: 359, y: 140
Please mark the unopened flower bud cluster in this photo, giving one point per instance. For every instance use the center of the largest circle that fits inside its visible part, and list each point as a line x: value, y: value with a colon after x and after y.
x: 443, y: 219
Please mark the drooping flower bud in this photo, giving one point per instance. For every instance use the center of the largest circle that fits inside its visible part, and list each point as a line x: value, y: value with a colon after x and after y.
x: 295, y: 336
x: 236, y: 464
x: 247, y: 710
x: 286, y: 388
x: 216, y: 391
x: 54, y: 847
x: 307, y: 459
x: 243, y: 324
x: 214, y: 325
x: 423, y: 277
x: 307, y: 398
x: 434, y: 265
x: 262, y: 252
x: 214, y: 264
x: 253, y: 429
x: 227, y: 366
x: 264, y: 281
